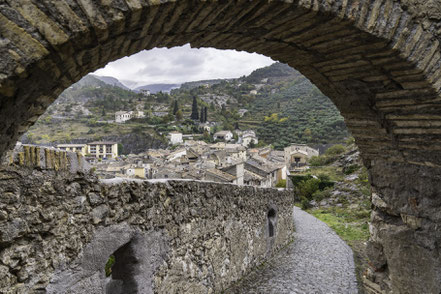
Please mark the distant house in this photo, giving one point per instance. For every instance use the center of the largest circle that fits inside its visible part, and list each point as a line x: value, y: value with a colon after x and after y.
x: 205, y: 127
x: 297, y: 155
x: 253, y: 92
x: 237, y: 170
x: 242, y: 111
x: 176, y: 155
x: 103, y: 149
x: 134, y: 171
x: 95, y: 149
x: 223, y: 135
x: 139, y: 114
x: 249, y: 137
x: 260, y: 170
x: 175, y: 138
x: 145, y: 92
x: 216, y: 175
x: 123, y: 116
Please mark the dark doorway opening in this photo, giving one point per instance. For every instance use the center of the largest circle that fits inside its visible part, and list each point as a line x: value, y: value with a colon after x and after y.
x: 121, y: 271
x: 271, y: 222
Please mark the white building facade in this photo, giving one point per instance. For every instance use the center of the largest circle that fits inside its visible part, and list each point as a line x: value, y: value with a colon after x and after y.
x: 223, y: 135
x: 175, y: 138
x: 123, y: 116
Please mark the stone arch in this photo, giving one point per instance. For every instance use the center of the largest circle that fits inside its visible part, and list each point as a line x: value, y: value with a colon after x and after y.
x: 378, y: 62
x: 137, y: 256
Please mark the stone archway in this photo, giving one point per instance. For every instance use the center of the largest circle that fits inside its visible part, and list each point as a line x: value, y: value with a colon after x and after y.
x: 377, y: 60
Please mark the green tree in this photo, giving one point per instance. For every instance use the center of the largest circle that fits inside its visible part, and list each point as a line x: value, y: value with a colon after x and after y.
x: 175, y: 107
x: 201, y: 117
x: 179, y: 115
x: 194, y: 109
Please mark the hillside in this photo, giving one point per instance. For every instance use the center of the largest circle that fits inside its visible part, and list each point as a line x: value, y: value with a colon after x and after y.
x: 281, y: 105
x: 111, y: 81
x: 294, y: 110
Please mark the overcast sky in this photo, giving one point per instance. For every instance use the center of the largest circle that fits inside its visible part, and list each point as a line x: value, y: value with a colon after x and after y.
x: 182, y: 64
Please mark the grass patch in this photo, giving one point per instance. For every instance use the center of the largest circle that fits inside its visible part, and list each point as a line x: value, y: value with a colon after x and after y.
x: 334, y: 173
x: 109, y: 264
x: 349, y: 225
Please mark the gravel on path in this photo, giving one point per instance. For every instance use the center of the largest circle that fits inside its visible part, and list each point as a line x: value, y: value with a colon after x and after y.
x: 317, y: 262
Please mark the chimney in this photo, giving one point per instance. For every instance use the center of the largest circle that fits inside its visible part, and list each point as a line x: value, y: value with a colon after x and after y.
x: 240, y: 173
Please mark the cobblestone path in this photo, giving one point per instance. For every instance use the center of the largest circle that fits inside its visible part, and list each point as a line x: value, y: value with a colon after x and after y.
x: 317, y: 262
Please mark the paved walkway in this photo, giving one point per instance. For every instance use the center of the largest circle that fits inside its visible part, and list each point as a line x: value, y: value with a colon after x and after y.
x: 317, y: 262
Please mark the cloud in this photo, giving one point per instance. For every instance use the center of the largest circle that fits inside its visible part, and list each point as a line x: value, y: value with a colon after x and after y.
x: 183, y: 64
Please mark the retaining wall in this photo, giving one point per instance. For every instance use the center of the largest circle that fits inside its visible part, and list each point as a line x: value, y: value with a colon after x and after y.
x: 58, y: 229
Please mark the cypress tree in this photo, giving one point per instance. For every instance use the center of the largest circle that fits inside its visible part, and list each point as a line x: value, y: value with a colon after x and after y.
x: 205, y: 113
x: 194, y: 109
x: 175, y: 107
x: 201, y: 117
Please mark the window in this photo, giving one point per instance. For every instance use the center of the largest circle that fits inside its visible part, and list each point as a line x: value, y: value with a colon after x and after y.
x: 271, y: 222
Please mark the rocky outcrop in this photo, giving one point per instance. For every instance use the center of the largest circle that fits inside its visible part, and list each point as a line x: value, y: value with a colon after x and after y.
x: 58, y: 229
x: 404, y: 244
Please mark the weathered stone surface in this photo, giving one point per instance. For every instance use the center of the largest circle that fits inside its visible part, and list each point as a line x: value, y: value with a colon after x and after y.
x: 167, y: 236
x: 404, y: 249
x: 379, y: 61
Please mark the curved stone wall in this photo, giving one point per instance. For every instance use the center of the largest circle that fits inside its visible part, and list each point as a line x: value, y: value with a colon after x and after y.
x: 378, y: 60
x: 58, y: 229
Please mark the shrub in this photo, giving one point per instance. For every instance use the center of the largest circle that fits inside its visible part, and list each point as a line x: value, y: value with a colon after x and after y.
x: 335, y: 150
x: 363, y: 176
x: 325, y: 182
x: 109, y: 264
x: 307, y: 188
x: 281, y: 184
x: 317, y: 160
x: 350, y: 140
x: 304, y: 203
x: 347, y: 170
x: 137, y: 130
x: 320, y: 195
x: 296, y: 179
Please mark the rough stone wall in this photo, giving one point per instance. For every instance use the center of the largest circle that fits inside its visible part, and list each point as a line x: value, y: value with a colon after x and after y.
x: 378, y: 60
x: 58, y: 229
x: 404, y: 248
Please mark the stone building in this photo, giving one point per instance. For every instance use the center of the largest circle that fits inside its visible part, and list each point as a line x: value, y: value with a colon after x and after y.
x: 223, y: 135
x: 81, y: 148
x: 123, y: 116
x: 94, y: 149
x: 103, y: 149
x: 297, y: 155
x: 249, y: 137
x: 175, y: 138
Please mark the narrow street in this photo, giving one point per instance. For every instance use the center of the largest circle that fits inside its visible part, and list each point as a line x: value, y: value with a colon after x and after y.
x: 317, y: 262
